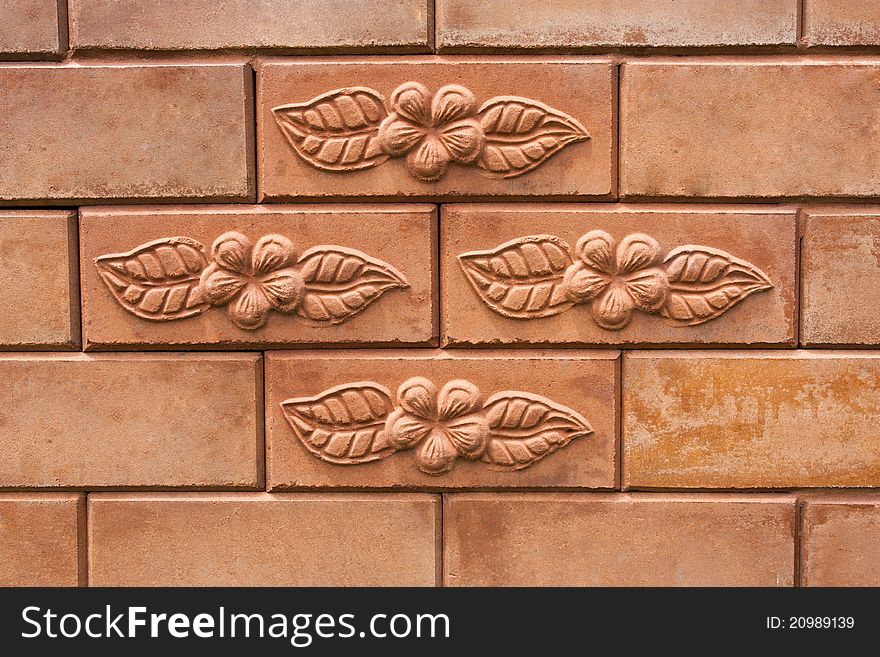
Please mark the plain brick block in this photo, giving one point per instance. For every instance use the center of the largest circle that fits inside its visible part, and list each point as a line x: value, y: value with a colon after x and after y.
x: 750, y: 128
x: 840, y: 276
x: 583, y: 539
x: 745, y: 420
x: 347, y: 25
x: 35, y: 28
x: 435, y: 127
x: 126, y: 131
x: 40, y: 539
x: 841, y: 23
x: 719, y: 275
x: 551, y: 419
x: 39, y: 298
x: 840, y: 541
x: 368, y: 273
x: 258, y: 539
x: 565, y: 24
x: 131, y: 420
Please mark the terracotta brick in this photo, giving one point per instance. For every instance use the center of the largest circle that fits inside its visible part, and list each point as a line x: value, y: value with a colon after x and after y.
x: 840, y: 273
x: 131, y: 420
x: 257, y: 539
x: 351, y: 274
x: 499, y: 288
x: 583, y: 539
x: 841, y: 541
x: 345, y: 415
x: 513, y: 24
x: 126, y: 132
x: 741, y: 419
x: 337, y: 25
x: 35, y: 28
x: 39, y: 539
x: 841, y: 23
x: 381, y: 128
x: 750, y: 128
x: 39, y: 298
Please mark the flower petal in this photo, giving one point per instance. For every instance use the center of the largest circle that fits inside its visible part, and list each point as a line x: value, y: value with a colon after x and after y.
x: 636, y: 252
x: 458, y: 398
x: 404, y: 430
x: 436, y: 455
x: 397, y: 136
x: 596, y: 250
x: 613, y: 308
x: 648, y: 289
x: 583, y: 283
x: 464, y: 140
x: 418, y: 396
x: 410, y: 100
x: 429, y: 161
x: 233, y: 251
x: 284, y: 289
x: 272, y: 252
x: 251, y: 309
x: 469, y: 434
x: 451, y: 103
x: 220, y: 285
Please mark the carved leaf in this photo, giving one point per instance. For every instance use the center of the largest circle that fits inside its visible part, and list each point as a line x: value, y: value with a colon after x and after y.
x: 524, y: 428
x: 706, y: 282
x: 522, y: 133
x: 157, y: 280
x: 336, y: 131
x: 342, y: 282
x: 522, y: 278
x: 343, y: 425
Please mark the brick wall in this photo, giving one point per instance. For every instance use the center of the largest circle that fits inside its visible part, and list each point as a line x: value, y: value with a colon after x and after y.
x: 396, y: 292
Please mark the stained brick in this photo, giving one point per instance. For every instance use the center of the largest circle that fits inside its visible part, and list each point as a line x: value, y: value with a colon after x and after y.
x: 33, y: 28
x: 841, y: 541
x: 841, y: 23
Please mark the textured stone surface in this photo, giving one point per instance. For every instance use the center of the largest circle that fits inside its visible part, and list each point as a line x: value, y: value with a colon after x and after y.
x: 584, y: 384
x: 368, y: 25
x: 367, y: 257
x: 740, y: 419
x: 506, y: 24
x: 841, y: 23
x: 35, y: 28
x: 750, y: 128
x: 583, y: 539
x: 39, y: 305
x: 526, y: 287
x: 39, y: 539
x: 339, y: 133
x: 126, y: 132
x: 841, y: 541
x: 840, y: 276
x: 263, y: 540
x: 131, y: 420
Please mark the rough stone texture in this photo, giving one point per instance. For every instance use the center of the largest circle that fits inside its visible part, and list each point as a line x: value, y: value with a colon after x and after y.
x: 750, y: 128
x: 126, y: 132
x: 369, y: 25
x: 585, y: 383
x: 840, y: 276
x: 584, y: 539
x: 765, y: 238
x: 514, y: 24
x: 841, y: 23
x: 131, y: 420
x: 33, y: 28
x: 402, y: 236
x: 583, y: 168
x: 39, y: 305
x: 840, y: 541
x: 39, y: 539
x: 740, y: 419
x: 263, y: 540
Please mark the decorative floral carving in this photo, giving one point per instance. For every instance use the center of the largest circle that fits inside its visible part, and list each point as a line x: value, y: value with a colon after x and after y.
x: 351, y: 129
x: 171, y: 278
x: 536, y: 276
x: 359, y: 423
